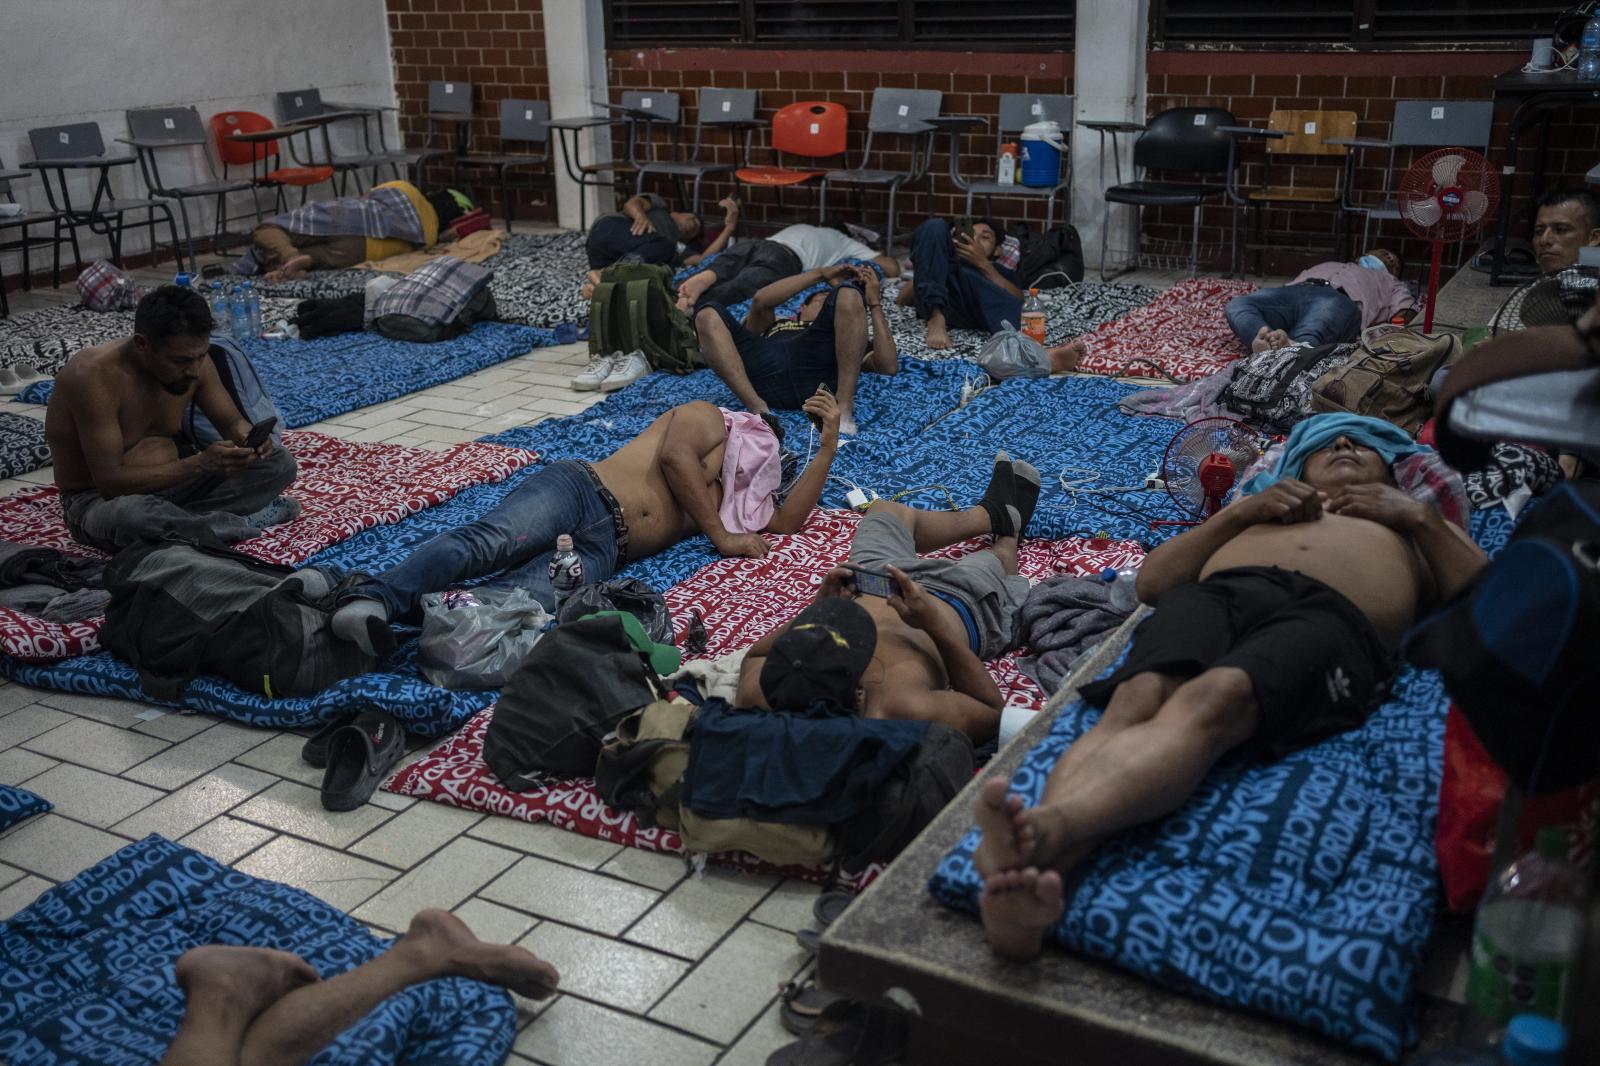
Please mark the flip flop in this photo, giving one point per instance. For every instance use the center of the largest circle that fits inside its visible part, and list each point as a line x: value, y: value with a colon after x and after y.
x: 827, y: 907
x: 360, y: 756
x: 27, y: 374
x: 10, y: 384
x: 802, y: 1004
x: 847, y: 1033
x: 315, y: 751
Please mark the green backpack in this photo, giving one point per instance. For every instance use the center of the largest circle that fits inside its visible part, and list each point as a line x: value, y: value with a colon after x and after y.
x: 635, y: 309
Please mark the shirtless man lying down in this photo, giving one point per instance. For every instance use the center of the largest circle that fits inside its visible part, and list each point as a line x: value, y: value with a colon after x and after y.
x: 1275, y: 627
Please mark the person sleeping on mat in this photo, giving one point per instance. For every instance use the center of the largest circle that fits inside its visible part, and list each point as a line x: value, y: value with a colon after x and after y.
x: 1330, y: 303
x: 1275, y: 627
x: 695, y: 469
x: 393, y: 219
x: 647, y: 231
x: 751, y: 265
x: 918, y: 629
x: 769, y: 362
x: 253, y: 1006
x: 127, y: 465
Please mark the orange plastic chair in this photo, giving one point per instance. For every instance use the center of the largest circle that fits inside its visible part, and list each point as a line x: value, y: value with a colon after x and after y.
x: 255, y: 155
x: 811, y: 129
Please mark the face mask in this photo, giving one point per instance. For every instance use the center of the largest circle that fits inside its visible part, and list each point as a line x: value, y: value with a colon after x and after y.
x: 1371, y: 262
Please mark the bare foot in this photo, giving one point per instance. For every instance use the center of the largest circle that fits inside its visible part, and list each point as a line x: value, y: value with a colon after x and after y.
x: 938, y: 335
x: 1261, y: 343
x: 693, y: 287
x: 996, y: 813
x: 1279, y: 339
x: 243, y: 981
x: 847, y: 422
x: 445, y: 942
x: 906, y: 296
x: 1064, y: 358
x: 1017, y: 907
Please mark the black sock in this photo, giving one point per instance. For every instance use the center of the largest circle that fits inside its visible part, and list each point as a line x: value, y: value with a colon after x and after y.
x: 1001, y: 491
x: 1024, y: 492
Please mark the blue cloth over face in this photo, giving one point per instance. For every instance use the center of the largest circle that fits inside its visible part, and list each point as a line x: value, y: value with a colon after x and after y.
x: 1319, y: 431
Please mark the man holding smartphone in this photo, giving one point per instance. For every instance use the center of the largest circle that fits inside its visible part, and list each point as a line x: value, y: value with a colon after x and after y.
x: 940, y: 620
x: 127, y: 470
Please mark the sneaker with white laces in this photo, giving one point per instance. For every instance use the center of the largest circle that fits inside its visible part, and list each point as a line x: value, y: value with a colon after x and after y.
x: 625, y: 371
x: 593, y: 374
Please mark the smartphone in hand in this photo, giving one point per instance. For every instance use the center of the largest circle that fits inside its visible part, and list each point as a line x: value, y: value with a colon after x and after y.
x: 260, y: 432
x: 873, y: 582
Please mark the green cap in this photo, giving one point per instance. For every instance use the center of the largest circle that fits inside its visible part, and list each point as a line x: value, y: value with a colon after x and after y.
x: 1551, y: 842
x: 664, y: 658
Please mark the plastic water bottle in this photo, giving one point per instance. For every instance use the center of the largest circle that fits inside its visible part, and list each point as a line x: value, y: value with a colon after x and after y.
x: 566, y: 569
x: 239, y: 313
x: 221, y: 313
x: 1529, y: 1041
x: 252, y: 304
x: 184, y: 280
x: 1124, y: 595
x: 1589, y: 51
x: 1527, y: 936
x: 1033, y: 316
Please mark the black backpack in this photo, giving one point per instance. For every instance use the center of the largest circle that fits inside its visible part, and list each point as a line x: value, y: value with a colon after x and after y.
x: 1272, y: 389
x: 1047, y: 256
x: 914, y: 794
x: 179, y: 609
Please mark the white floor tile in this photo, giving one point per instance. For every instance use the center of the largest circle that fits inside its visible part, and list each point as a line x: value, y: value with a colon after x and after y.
x: 691, y: 918
x: 337, y: 879
x: 765, y: 1035
x: 8, y: 874
x: 94, y: 744
x: 444, y: 879
x: 409, y: 837
x: 551, y: 890
x: 196, y: 803
x: 17, y: 895
x: 789, y: 906
x: 493, y: 923
x: 575, y: 1032
x: 298, y: 811
x: 653, y: 869
x: 17, y: 765
x: 185, y: 761
x: 27, y: 722
x: 120, y: 713
x: 226, y: 839
x: 91, y: 796
x: 281, y: 756
x: 175, y: 727
x: 14, y: 696
x: 604, y: 970
x: 537, y: 838
x: 56, y: 847
x: 733, y: 984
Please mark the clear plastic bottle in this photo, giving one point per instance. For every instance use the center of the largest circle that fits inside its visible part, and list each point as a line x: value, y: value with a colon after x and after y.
x: 1527, y: 936
x: 1123, y: 594
x: 1589, y: 51
x: 566, y: 569
x: 239, y: 313
x: 1529, y: 1041
x: 1033, y: 323
x: 221, y: 312
x: 184, y: 280
x: 252, y: 304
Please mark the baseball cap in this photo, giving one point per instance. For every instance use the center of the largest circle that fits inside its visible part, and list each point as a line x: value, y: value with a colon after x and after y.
x: 821, y: 656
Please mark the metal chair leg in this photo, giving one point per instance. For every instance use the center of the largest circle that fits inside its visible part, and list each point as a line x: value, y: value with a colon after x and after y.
x: 188, y: 238
x: 822, y: 199
x: 1105, y: 228
x: 1194, y: 244
x: 888, y: 230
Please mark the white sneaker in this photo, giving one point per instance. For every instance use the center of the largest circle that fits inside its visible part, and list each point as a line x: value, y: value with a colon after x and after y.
x: 593, y: 374
x: 625, y: 371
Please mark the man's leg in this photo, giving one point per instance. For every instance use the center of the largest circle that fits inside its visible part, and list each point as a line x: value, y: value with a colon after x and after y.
x: 1258, y: 318
x: 720, y: 344
x: 932, y: 261
x: 978, y: 303
x: 1328, y: 317
x: 697, y: 287
x: 245, y: 492
x: 437, y: 945
x: 227, y: 989
x: 849, y: 349
x: 1004, y: 510
x: 1137, y: 773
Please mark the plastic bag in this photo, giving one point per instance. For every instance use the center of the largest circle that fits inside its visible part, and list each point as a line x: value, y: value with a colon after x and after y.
x: 476, y: 638
x: 1009, y: 354
x: 622, y: 594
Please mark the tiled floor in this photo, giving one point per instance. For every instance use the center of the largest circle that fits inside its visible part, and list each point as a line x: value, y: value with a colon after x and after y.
x: 659, y: 966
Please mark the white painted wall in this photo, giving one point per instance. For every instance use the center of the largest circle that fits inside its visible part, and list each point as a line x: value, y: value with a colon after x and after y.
x: 67, y: 61
x: 1109, y: 86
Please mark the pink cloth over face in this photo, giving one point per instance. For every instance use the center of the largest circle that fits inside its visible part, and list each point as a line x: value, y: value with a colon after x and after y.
x: 751, y: 472
x: 1379, y: 293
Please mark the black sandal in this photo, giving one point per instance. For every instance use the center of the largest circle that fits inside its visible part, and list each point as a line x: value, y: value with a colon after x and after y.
x: 848, y: 1033
x: 360, y: 756
x: 802, y: 1004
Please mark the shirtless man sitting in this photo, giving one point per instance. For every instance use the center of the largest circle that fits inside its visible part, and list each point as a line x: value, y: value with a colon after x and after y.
x: 933, y: 634
x: 1274, y: 628
x: 695, y: 469
x: 125, y: 461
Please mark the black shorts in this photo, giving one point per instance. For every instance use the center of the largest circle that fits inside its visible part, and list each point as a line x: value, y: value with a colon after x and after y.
x: 1316, y: 663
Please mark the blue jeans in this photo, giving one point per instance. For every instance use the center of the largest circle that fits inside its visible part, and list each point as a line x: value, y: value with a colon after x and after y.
x: 517, y: 537
x: 968, y: 299
x: 1309, y: 314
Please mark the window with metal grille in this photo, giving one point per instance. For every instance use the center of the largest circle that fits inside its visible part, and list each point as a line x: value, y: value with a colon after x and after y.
x: 1039, y: 24
x: 1361, y: 24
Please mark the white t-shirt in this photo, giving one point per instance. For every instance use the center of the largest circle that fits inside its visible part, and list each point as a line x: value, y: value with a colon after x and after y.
x: 820, y: 246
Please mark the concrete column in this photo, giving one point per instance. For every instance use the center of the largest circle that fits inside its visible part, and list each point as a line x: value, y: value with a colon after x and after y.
x: 574, y: 40
x: 1110, y: 42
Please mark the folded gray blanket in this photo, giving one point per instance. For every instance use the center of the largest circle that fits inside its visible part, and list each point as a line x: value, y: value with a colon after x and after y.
x: 1066, y: 616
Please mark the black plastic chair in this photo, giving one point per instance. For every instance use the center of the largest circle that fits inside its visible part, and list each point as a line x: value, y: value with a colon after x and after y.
x: 894, y: 112
x: 26, y: 242
x: 306, y: 107
x: 521, y: 122
x: 154, y: 129
x: 640, y: 109
x: 732, y: 110
x: 449, y: 113
x: 1017, y: 112
x: 60, y: 150
x: 1189, y: 140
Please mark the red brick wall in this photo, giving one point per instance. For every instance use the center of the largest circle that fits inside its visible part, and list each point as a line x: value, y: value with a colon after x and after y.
x: 1253, y: 84
x: 498, y: 46
x: 971, y: 83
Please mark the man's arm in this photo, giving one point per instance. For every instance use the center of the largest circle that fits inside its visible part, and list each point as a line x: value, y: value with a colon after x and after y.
x: 889, y: 264
x: 1452, y: 557
x: 99, y: 432
x: 884, y: 358
x: 637, y: 208
x: 730, y: 222
x: 807, y: 489
x: 1180, y: 560
x: 973, y: 702
x: 769, y: 298
x: 693, y: 432
x: 969, y: 253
